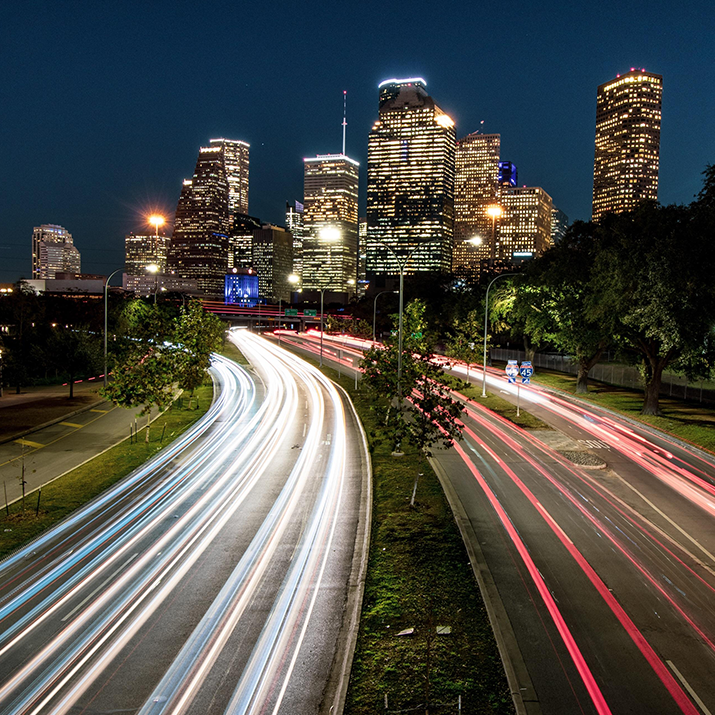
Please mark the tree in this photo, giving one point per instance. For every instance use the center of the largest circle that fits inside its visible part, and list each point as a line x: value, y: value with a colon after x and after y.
x: 197, y: 334
x: 553, y: 301
x: 420, y: 409
x: 465, y: 343
x: 75, y: 352
x: 653, y: 277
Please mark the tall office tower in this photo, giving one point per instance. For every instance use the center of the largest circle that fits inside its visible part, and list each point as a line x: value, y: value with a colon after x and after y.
x: 410, y: 181
x: 559, y: 224
x: 272, y: 251
x: 199, y: 245
x: 525, y: 229
x: 53, y: 251
x: 294, y: 223
x: 141, y: 251
x: 475, y: 188
x: 508, y: 173
x: 235, y: 162
x: 240, y: 240
x: 625, y: 167
x: 330, y: 223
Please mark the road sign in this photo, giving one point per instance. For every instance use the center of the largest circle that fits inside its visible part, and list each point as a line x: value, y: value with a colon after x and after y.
x: 290, y: 312
x: 310, y: 313
x: 525, y: 381
x: 526, y: 370
x: 511, y: 370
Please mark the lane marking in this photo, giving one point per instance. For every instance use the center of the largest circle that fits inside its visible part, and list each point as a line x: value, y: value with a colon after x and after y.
x: 104, y: 412
x: 687, y: 686
x: 28, y: 443
x: 101, y: 586
x: 71, y: 424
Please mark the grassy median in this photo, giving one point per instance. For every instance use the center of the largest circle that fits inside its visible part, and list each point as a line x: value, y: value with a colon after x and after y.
x: 79, y: 486
x: 419, y: 580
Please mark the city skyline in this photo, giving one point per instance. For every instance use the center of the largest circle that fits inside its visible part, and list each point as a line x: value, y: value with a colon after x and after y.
x: 118, y: 133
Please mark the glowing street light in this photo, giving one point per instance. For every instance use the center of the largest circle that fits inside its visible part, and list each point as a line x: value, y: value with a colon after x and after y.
x: 494, y: 211
x: 156, y: 220
x: 154, y: 268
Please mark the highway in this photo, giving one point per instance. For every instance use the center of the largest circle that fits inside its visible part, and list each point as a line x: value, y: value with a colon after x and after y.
x: 602, y: 582
x: 212, y: 580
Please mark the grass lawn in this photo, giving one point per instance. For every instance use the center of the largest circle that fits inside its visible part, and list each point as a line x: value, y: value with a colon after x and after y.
x: 690, y: 421
x: 230, y: 351
x: 418, y: 577
x: 79, y: 486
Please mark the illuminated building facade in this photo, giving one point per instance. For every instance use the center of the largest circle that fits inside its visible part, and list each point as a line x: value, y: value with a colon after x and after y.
x: 508, y: 174
x: 294, y: 223
x: 627, y: 157
x: 524, y: 230
x: 475, y: 189
x: 235, y: 163
x: 240, y: 240
x: 410, y: 177
x: 241, y: 288
x: 330, y: 223
x: 199, y: 245
x: 559, y: 224
x: 272, y: 252
x: 141, y: 251
x: 53, y: 251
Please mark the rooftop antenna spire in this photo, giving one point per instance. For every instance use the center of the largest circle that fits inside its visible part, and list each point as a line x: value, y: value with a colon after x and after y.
x: 345, y: 116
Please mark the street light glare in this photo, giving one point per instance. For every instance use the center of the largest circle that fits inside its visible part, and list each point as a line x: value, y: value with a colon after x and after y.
x: 475, y: 241
x: 152, y: 268
x: 495, y: 211
x: 156, y: 220
x: 293, y: 278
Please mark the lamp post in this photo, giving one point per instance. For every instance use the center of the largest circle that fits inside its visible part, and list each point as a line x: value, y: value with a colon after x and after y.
x: 495, y: 211
x: 154, y: 268
x: 329, y: 234
x: 486, y: 311
x: 106, y: 291
x: 374, y: 312
x: 401, y: 265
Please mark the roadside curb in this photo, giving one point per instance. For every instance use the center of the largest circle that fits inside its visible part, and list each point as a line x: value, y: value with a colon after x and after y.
x: 337, y: 686
x: 522, y: 690
x: 68, y: 416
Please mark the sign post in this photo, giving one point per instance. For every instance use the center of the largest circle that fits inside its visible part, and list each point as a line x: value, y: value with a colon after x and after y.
x: 526, y: 371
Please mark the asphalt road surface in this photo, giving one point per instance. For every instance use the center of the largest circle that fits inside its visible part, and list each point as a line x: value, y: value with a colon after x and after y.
x: 212, y: 580
x: 605, y: 579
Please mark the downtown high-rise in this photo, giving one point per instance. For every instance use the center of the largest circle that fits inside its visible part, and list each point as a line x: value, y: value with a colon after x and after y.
x: 627, y: 156
x: 200, y: 245
x: 53, y: 251
x: 476, y: 185
x: 410, y: 177
x: 235, y: 154
x: 330, y: 223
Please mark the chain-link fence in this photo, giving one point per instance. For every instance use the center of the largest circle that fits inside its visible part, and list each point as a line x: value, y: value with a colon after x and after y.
x: 612, y: 374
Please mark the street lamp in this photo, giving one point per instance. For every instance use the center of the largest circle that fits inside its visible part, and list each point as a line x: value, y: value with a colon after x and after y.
x: 374, y: 312
x: 495, y: 211
x: 401, y: 265
x: 156, y: 220
x: 106, y: 291
x: 329, y: 234
x: 154, y: 268
x: 486, y: 310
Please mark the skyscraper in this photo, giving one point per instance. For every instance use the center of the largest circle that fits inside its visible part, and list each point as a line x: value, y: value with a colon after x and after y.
x: 475, y: 188
x: 330, y: 223
x: 53, y: 251
x: 559, y: 224
x: 235, y: 163
x: 143, y: 250
x: 410, y: 181
x: 525, y: 229
x: 199, y: 245
x: 625, y: 169
x: 294, y: 223
x: 272, y: 251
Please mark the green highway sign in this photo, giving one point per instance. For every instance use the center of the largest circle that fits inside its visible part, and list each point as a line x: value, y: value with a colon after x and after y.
x: 310, y: 313
x: 290, y: 312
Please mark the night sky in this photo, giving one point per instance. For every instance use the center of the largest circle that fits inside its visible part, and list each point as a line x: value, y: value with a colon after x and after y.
x: 103, y: 106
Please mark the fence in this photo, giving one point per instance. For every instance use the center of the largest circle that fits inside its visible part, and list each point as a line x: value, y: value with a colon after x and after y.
x: 612, y: 374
